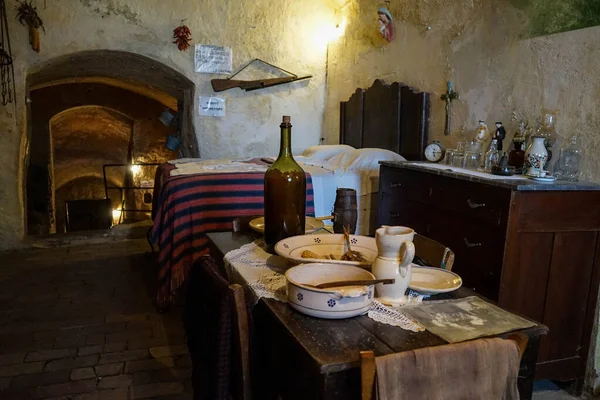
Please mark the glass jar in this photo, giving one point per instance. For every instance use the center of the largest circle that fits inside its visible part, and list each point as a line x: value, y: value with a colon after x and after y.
x: 568, y: 166
x: 547, y: 130
x: 449, y: 157
x: 458, y: 160
x: 472, y: 160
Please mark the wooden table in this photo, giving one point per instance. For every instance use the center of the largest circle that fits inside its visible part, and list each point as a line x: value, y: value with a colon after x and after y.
x: 300, y: 357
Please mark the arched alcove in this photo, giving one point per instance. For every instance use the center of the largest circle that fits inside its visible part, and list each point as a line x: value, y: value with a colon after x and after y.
x: 131, y: 85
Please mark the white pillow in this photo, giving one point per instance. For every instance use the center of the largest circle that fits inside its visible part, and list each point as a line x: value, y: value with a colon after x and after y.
x: 368, y: 159
x: 326, y: 152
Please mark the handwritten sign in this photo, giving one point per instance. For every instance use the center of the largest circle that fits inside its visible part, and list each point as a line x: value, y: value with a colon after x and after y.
x: 213, y: 59
x: 211, y: 106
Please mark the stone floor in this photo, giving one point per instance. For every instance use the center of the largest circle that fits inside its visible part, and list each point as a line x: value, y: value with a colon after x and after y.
x: 80, y: 323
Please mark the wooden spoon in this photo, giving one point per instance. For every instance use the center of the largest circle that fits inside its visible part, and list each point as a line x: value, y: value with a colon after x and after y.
x: 352, y: 283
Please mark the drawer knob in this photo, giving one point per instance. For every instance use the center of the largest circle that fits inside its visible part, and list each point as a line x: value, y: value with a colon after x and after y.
x: 472, y: 204
x: 471, y: 245
x: 395, y: 185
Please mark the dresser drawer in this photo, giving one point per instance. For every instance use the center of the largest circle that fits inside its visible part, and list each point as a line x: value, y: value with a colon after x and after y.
x: 485, y: 203
x: 479, y: 252
x: 479, y: 249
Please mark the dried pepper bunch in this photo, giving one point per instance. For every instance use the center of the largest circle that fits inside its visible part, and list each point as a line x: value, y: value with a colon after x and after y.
x: 182, y: 36
x: 27, y: 15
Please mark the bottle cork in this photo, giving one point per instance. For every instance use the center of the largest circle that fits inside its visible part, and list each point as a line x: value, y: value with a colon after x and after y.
x: 286, y: 119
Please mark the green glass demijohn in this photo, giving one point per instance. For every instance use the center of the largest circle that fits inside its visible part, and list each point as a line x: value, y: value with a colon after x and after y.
x: 285, y: 193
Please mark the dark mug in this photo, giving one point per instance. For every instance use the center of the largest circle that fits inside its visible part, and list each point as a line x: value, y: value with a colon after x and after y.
x: 345, y: 212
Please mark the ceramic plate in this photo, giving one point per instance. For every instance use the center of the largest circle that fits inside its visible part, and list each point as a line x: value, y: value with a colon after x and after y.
x: 312, y: 225
x: 546, y: 179
x: 326, y: 244
x: 430, y: 280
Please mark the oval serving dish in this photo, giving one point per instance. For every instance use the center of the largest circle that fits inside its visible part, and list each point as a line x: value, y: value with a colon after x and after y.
x: 331, y: 303
x: 326, y: 244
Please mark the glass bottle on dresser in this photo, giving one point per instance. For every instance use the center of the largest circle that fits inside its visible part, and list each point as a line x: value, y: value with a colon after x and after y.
x: 568, y: 166
x: 516, y: 157
x: 285, y: 193
x: 492, y: 156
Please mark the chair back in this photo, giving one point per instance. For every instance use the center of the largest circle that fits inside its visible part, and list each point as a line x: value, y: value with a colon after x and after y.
x: 368, y: 367
x: 218, y: 334
x: 433, y: 253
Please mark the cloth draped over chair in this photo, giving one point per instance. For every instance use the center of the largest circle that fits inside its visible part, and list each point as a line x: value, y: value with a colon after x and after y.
x: 484, y: 369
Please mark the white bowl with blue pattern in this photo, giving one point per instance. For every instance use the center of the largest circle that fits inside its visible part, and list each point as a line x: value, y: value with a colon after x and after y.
x: 326, y: 244
x: 331, y: 303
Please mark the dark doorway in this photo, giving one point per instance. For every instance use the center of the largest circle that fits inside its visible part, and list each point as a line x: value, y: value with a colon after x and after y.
x: 95, y: 108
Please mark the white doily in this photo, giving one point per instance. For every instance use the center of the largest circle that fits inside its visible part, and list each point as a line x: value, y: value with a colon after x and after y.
x: 270, y: 285
x: 254, y: 255
x: 387, y: 315
x: 263, y: 272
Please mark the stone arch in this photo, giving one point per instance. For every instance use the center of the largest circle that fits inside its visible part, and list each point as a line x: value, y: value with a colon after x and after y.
x: 113, y: 71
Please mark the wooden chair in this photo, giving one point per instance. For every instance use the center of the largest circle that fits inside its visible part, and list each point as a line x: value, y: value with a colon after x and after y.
x: 217, y: 325
x: 368, y: 369
x: 433, y: 253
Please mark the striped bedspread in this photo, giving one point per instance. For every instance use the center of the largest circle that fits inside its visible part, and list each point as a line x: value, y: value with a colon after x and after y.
x: 190, y: 206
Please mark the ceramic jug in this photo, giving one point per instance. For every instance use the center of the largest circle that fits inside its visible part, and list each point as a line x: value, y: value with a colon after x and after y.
x: 395, y: 252
x: 536, y: 157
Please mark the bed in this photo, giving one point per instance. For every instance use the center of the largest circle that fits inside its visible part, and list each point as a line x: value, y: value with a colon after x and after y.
x: 194, y: 197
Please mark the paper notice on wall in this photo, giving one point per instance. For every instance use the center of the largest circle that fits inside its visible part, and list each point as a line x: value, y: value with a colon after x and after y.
x: 213, y: 59
x: 211, y: 106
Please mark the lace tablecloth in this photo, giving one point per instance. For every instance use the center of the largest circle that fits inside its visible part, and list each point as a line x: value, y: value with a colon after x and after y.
x: 264, y: 274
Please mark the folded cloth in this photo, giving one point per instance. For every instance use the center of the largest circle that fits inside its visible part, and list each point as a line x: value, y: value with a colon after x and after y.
x: 483, y: 369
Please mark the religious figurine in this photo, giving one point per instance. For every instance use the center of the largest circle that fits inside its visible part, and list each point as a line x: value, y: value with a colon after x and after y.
x: 481, y: 134
x: 499, y: 135
x: 386, y: 24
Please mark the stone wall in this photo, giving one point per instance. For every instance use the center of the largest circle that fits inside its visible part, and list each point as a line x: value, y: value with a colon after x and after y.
x: 477, y: 45
x: 287, y: 33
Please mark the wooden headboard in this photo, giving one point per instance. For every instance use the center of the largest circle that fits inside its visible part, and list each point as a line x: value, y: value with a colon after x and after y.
x: 393, y: 117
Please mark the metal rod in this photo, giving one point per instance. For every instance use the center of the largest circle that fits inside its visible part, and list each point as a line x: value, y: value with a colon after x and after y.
x: 264, y: 62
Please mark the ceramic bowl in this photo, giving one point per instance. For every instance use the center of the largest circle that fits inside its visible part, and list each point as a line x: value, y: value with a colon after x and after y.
x: 327, y: 243
x: 331, y: 303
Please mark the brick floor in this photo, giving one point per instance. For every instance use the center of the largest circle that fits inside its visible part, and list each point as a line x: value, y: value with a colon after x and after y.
x: 80, y: 323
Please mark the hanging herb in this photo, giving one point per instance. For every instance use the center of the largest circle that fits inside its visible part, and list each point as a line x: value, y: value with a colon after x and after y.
x: 27, y: 15
x: 182, y: 36
x: 7, y: 72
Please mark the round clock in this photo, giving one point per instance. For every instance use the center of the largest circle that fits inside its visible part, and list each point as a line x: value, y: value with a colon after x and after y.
x: 434, y: 152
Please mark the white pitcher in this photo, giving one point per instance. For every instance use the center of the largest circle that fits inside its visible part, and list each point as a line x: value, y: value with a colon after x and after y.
x: 395, y: 254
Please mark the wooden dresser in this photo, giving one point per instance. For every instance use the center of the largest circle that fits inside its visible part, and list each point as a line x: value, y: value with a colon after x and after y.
x: 532, y: 247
